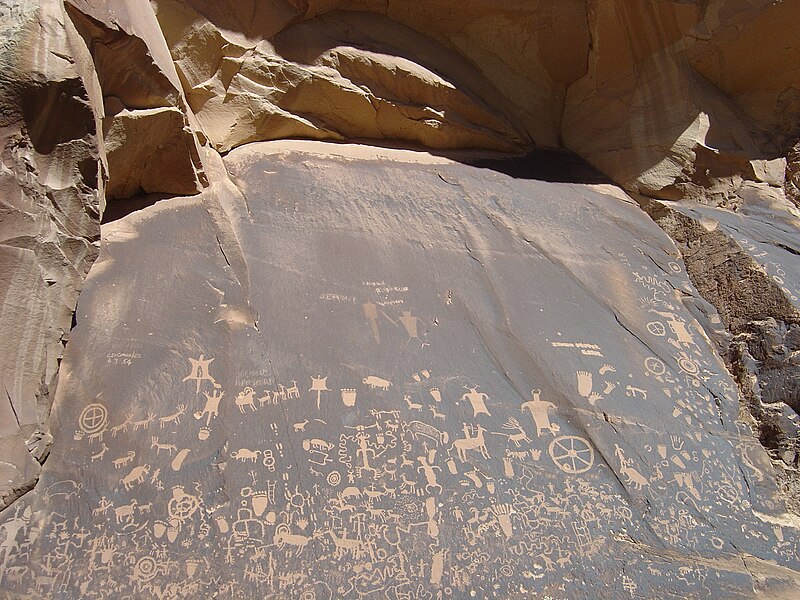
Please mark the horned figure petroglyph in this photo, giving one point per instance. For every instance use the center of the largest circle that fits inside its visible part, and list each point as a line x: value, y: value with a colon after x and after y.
x: 158, y: 447
x: 539, y: 411
x: 245, y: 398
x: 281, y: 393
x: 477, y: 400
x: 121, y: 427
x: 344, y: 545
x: 516, y: 438
x: 471, y: 443
x: 283, y: 536
x: 412, y: 405
x: 136, y: 475
x: 408, y: 484
x: 101, y: 454
x: 144, y: 423
x: 124, y: 460
x: 266, y: 398
x: 437, y: 414
x: 211, y: 409
x: 293, y: 392
x: 174, y: 418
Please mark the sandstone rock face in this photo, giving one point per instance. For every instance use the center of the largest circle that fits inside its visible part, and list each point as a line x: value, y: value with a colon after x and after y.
x: 384, y: 377
x: 479, y: 368
x: 50, y: 190
x: 666, y: 98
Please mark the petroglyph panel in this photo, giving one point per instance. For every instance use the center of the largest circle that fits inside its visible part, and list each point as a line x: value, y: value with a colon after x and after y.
x: 517, y: 406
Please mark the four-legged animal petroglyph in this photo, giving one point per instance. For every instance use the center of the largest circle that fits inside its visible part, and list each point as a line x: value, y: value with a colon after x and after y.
x: 174, y: 418
x: 211, y: 409
x: 144, y: 423
x: 124, y: 460
x: 158, y: 447
x: 471, y: 443
x: 245, y: 398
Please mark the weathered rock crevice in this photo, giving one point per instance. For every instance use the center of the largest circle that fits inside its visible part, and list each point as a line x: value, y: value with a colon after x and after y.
x: 762, y: 348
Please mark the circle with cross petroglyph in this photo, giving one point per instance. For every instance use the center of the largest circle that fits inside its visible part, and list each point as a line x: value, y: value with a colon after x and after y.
x: 93, y: 418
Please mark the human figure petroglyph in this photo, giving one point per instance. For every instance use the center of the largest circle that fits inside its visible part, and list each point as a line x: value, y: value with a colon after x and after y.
x: 477, y: 400
x: 411, y: 324
x: 11, y: 529
x: 539, y: 410
x: 429, y: 471
x: 319, y: 385
x: 211, y: 408
x: 174, y: 418
x: 102, y: 506
x: 199, y: 372
x: 471, y: 443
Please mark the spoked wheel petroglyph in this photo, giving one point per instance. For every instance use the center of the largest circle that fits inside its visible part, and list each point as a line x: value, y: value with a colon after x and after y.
x: 572, y: 454
x: 93, y: 418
